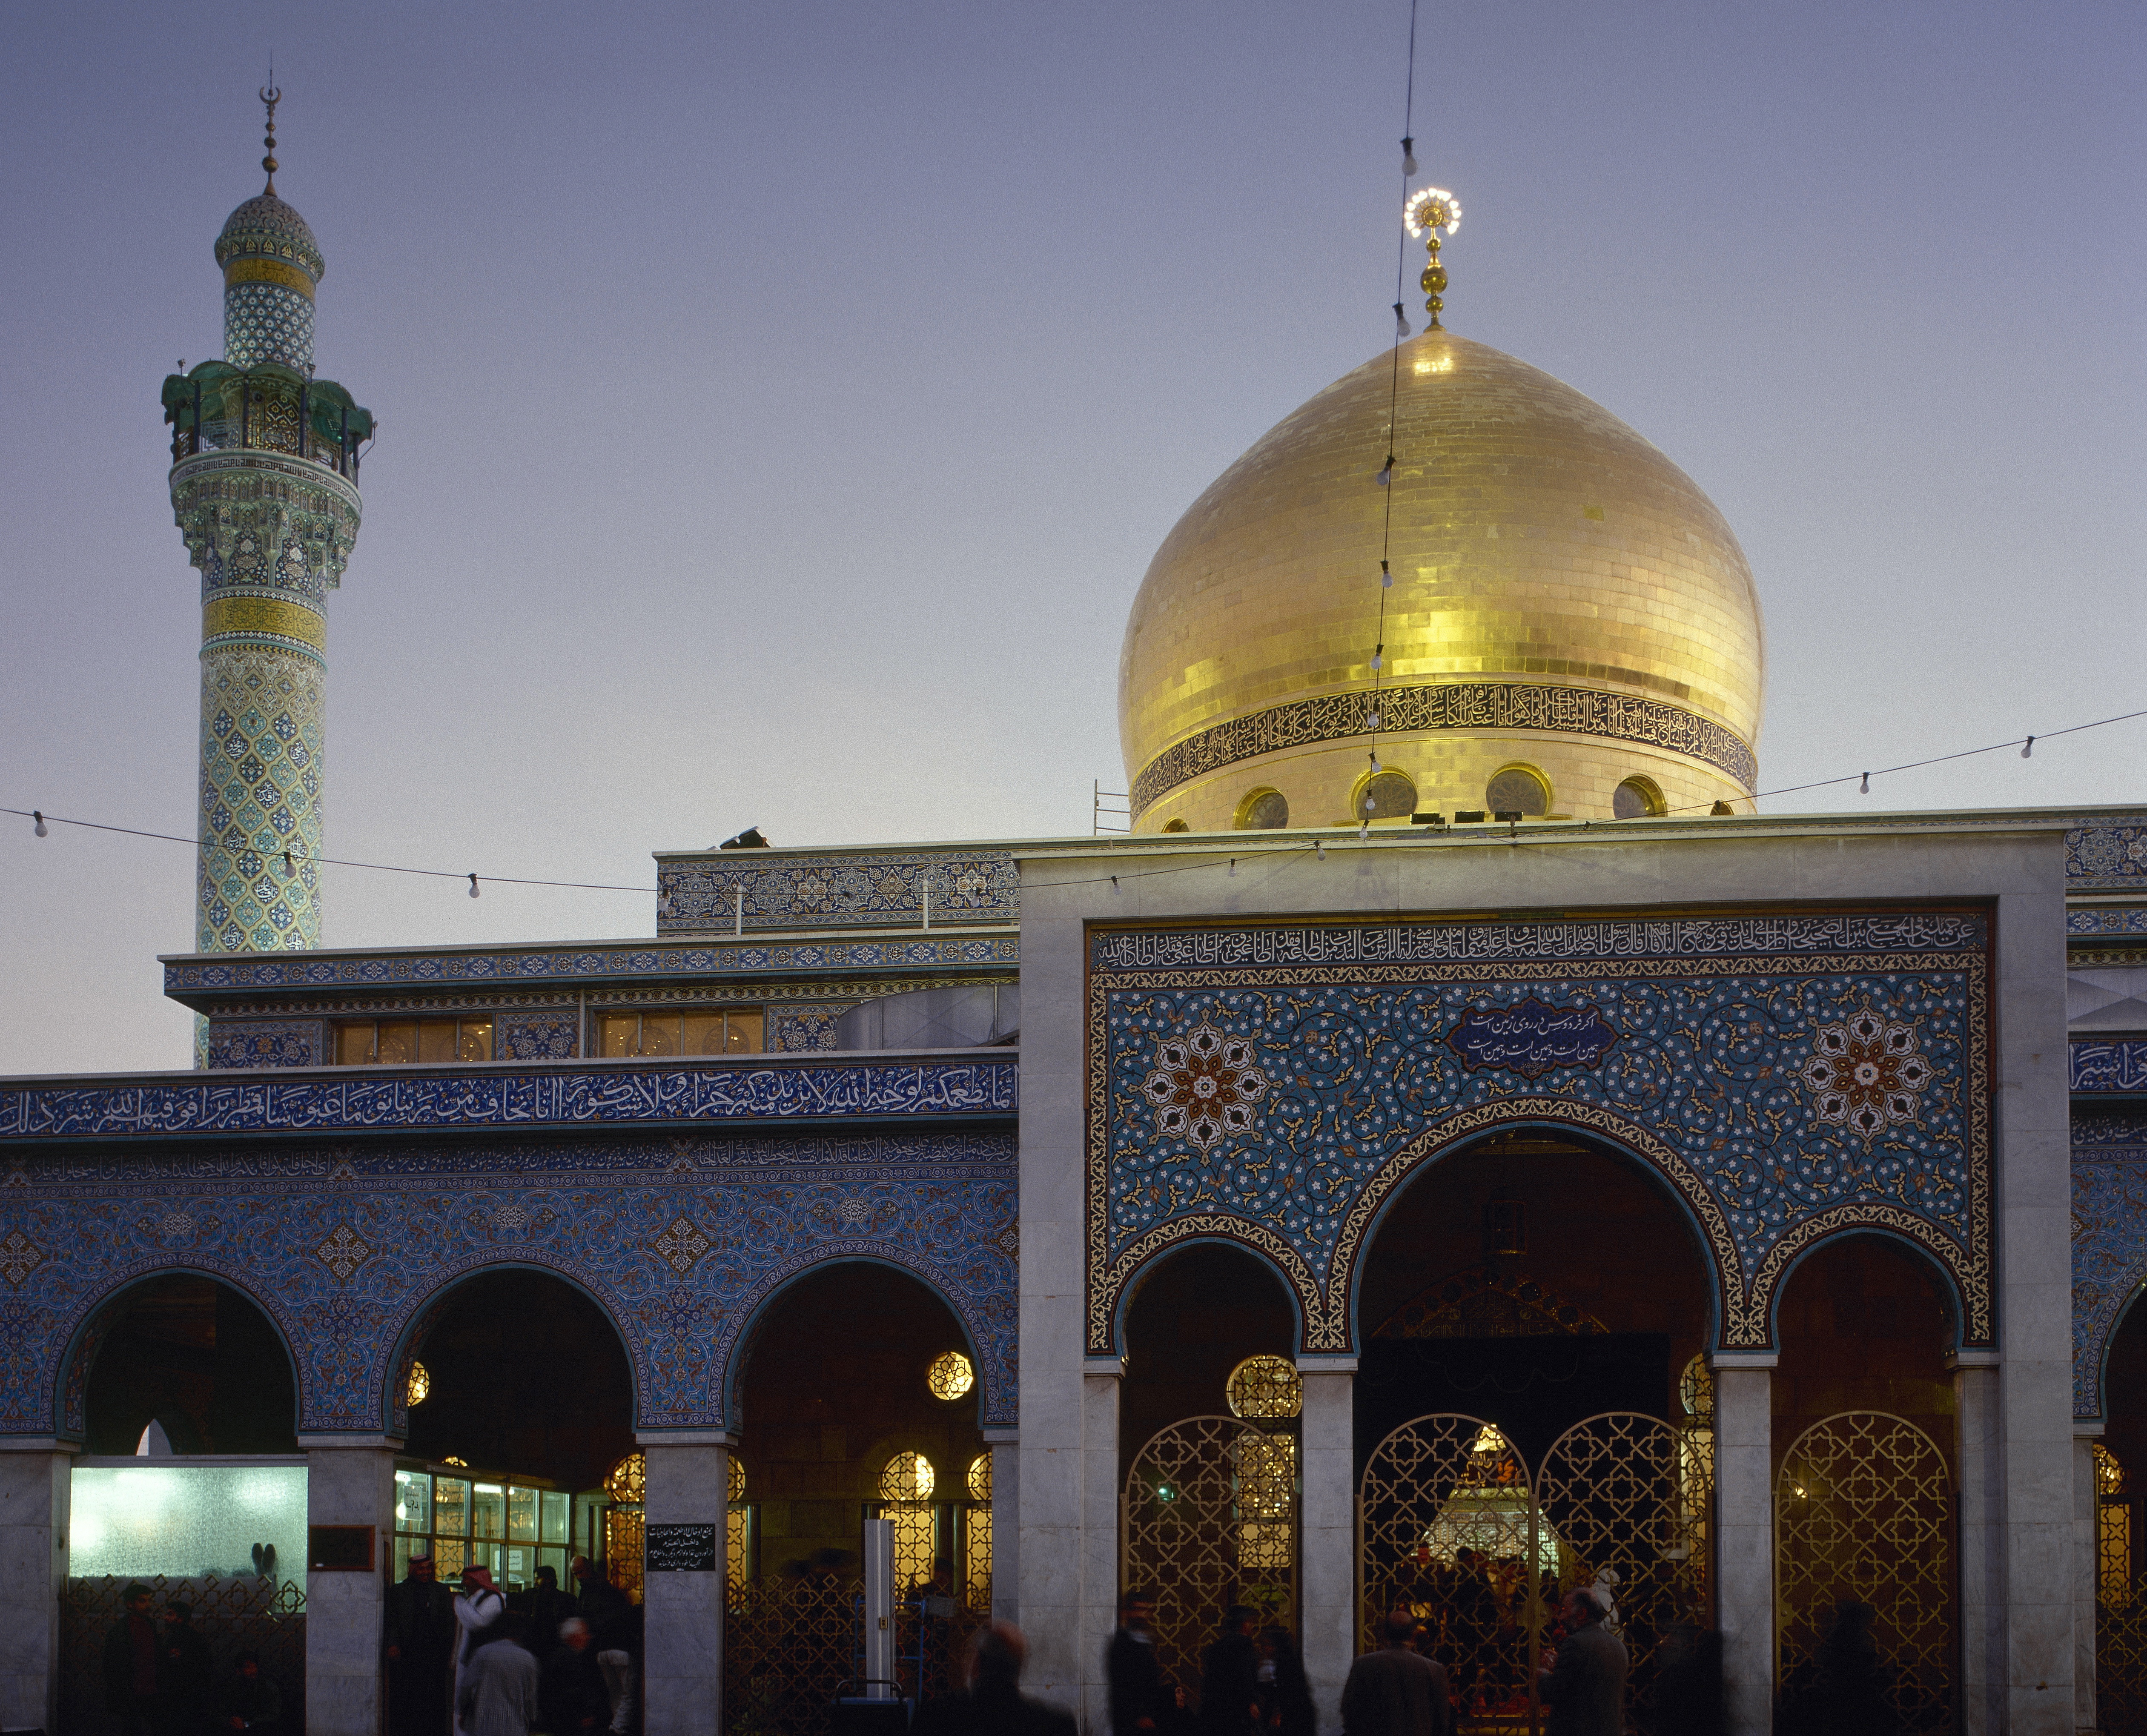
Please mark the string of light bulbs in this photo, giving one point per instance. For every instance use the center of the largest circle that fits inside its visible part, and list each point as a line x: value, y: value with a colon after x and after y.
x: 42, y: 823
x: 1386, y: 475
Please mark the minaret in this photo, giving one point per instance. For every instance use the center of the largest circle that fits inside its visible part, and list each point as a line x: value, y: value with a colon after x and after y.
x: 264, y: 485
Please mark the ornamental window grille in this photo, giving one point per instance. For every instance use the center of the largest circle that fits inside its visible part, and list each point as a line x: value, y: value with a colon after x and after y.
x: 1453, y: 1529
x: 1864, y: 1517
x: 950, y: 1376
x: 1209, y: 1517
x: 734, y: 1031
x: 2121, y: 1611
x: 1637, y: 798
x: 1518, y: 789
x: 1264, y: 1386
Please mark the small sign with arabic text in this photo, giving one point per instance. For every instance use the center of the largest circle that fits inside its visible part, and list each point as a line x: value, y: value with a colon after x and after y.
x: 1531, y: 1037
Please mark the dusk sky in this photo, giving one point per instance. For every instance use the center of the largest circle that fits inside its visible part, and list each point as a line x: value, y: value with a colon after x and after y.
x: 779, y: 406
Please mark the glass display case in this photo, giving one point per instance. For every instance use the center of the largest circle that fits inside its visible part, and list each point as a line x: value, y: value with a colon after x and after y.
x: 511, y: 1524
x: 183, y: 1521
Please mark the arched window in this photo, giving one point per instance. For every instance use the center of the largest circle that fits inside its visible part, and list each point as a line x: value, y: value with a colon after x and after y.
x: 1264, y: 1386
x: 1387, y: 795
x: 1263, y: 810
x: 950, y: 1375
x: 1176, y: 826
x: 1518, y: 789
x: 908, y: 1477
x: 1637, y: 798
x: 624, y: 1522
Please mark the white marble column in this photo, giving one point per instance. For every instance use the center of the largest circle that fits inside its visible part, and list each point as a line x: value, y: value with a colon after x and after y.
x: 349, y: 1481
x: 2087, y: 1550
x: 2035, y: 1307
x: 1981, y: 1543
x: 1744, y: 1536
x: 1006, y: 1524
x: 1327, y: 1530
x: 34, y: 1564
x: 687, y: 1483
x: 1099, y: 1532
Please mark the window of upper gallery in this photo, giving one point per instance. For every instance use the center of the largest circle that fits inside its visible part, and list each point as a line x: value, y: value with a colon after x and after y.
x: 398, y: 1041
x: 1637, y: 798
x: 734, y: 1031
x: 1518, y: 789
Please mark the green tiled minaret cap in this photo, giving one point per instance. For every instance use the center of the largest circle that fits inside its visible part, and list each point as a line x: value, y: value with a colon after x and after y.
x: 265, y: 227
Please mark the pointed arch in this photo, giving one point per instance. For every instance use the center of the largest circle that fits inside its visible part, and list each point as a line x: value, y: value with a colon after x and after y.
x: 1728, y: 1305
x: 1139, y: 1262
x: 990, y: 1346
x: 93, y: 1322
x: 391, y: 1375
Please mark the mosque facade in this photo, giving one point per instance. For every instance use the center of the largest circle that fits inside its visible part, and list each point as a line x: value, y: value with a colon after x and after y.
x: 1454, y: 1146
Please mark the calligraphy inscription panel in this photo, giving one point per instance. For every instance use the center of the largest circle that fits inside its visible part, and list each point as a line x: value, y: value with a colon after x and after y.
x: 679, y: 1548
x: 1789, y: 1075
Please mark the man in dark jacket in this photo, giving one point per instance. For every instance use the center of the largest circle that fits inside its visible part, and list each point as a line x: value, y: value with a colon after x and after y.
x: 1394, y: 1692
x: 251, y: 1700
x: 547, y: 1607
x: 131, y: 1656
x: 1230, y: 1676
x: 575, y: 1701
x: 419, y: 1629
x: 1138, y: 1700
x: 1583, y: 1681
x: 186, y: 1674
x: 992, y: 1704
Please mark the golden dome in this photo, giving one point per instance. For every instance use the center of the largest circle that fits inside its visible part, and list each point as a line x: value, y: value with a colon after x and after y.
x: 1567, y: 607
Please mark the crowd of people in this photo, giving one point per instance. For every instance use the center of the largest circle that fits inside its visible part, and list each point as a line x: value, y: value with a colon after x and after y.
x: 481, y: 1662
x: 161, y: 1680
x: 1252, y: 1681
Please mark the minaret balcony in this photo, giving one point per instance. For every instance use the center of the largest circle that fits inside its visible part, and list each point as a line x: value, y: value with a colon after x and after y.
x: 218, y: 408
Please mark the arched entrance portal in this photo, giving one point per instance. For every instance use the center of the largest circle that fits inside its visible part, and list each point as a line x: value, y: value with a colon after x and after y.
x: 1533, y: 1414
x: 858, y: 1400
x: 191, y: 1483
x: 1208, y: 1450
x: 1864, y: 1433
x: 520, y: 1406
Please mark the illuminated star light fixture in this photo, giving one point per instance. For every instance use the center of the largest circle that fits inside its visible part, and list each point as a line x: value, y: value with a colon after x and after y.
x: 1429, y: 210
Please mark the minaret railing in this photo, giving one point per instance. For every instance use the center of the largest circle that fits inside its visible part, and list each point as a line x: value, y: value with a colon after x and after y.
x: 219, y: 409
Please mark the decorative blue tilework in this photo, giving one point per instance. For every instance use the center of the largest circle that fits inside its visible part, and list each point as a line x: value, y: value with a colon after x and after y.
x: 617, y: 1093
x: 2107, y: 856
x: 535, y: 1036
x: 873, y: 888
x: 2107, y: 919
x: 681, y: 1242
x: 1789, y: 1076
x: 803, y: 1030
x: 185, y: 979
x: 2109, y: 1238
x: 2109, y: 1063
x: 265, y: 1043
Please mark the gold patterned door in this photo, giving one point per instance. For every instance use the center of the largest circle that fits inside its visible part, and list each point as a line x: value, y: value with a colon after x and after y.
x: 2120, y: 1602
x: 1446, y: 1528
x: 1864, y: 1540
x: 1209, y: 1519
x: 1624, y: 1500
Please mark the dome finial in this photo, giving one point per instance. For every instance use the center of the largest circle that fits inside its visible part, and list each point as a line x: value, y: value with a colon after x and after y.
x: 270, y: 97
x: 1429, y: 210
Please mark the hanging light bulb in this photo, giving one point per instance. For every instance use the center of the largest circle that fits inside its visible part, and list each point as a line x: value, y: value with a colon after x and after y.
x: 1320, y: 849
x: 473, y: 885
x: 1371, y: 720
x: 1375, y: 768
x: 1386, y: 472
x: 2028, y: 752
x: 1234, y: 868
x: 1386, y: 576
x: 1114, y: 883
x: 1376, y: 651
x: 40, y: 828
x: 1401, y: 324
x: 288, y: 869
x: 1409, y: 156
x: 1365, y: 833
x: 1864, y: 787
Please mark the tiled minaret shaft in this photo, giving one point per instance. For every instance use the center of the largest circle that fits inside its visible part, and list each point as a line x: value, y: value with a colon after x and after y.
x: 264, y: 487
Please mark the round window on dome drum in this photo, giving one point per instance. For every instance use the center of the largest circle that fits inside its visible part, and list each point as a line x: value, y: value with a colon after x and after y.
x: 1263, y: 810
x: 1637, y: 798
x: 1518, y: 789
x: 1386, y: 795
